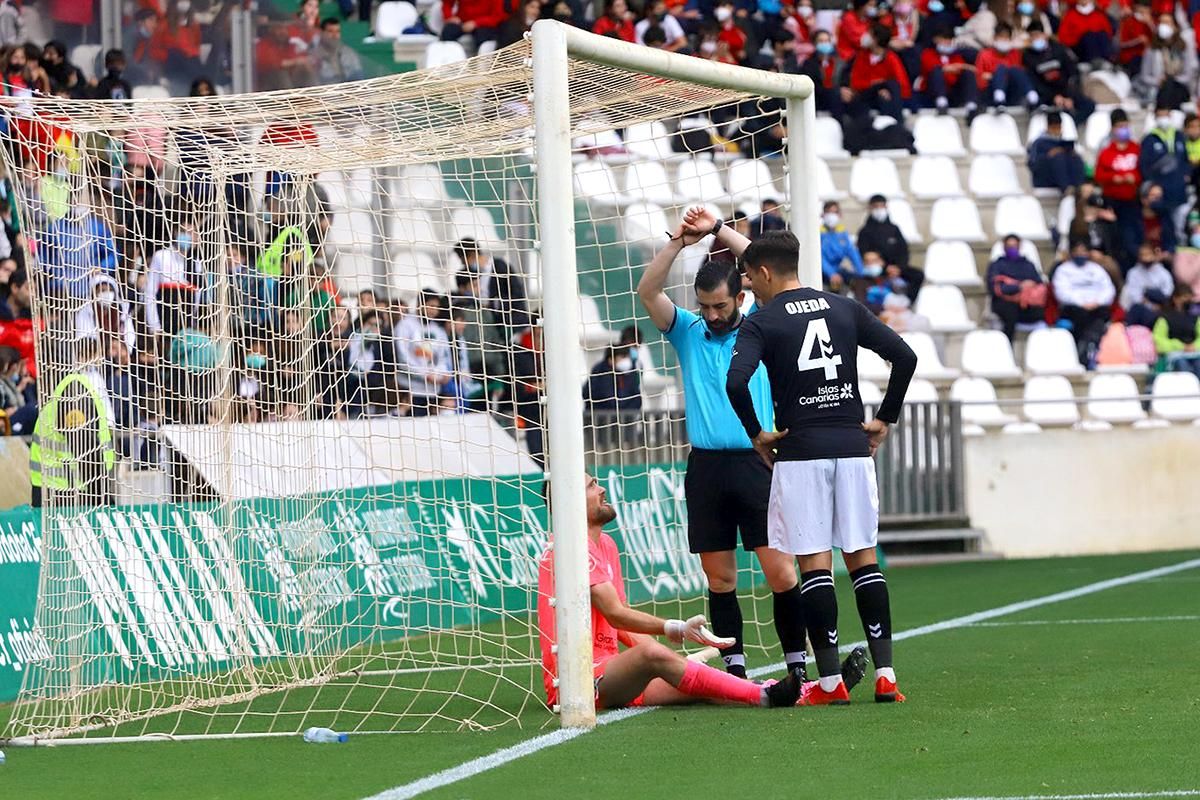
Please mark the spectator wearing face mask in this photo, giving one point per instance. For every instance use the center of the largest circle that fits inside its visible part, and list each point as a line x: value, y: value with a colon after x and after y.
x: 837, y: 249
x: 1025, y: 13
x: 113, y: 85
x: 978, y: 30
x: 1096, y: 224
x: 171, y: 281
x: 905, y: 26
x: 1053, y: 162
x: 1147, y: 274
x: 729, y: 33
x: 1118, y: 177
x: 1016, y: 289
x: 947, y: 78
x: 801, y: 25
x: 824, y: 68
x: 106, y: 315
x: 1177, y: 333
x: 1133, y: 37
x: 1168, y: 66
x: 1000, y: 75
x: 1087, y: 32
x: 854, y: 28
x: 674, y: 39
x: 939, y: 14
x: 1085, y: 295
x: 1155, y: 230
x: 878, y: 81
x: 880, y: 235
x: 1052, y: 70
x: 1164, y: 160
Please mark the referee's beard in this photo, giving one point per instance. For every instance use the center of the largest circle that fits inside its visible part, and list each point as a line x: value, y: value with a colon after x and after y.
x: 724, y: 325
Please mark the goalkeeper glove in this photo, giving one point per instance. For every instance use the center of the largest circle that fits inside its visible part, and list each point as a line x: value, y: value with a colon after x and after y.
x: 695, y: 629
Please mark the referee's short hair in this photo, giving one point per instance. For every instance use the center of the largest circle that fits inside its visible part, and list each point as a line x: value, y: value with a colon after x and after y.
x: 778, y: 250
x: 712, y: 274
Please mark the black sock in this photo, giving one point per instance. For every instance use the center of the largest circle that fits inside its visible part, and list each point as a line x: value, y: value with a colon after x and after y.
x: 726, y: 620
x: 789, y: 624
x: 820, y: 611
x: 874, y: 608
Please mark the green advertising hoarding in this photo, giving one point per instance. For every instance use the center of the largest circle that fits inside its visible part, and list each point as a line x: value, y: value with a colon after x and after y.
x: 169, y: 590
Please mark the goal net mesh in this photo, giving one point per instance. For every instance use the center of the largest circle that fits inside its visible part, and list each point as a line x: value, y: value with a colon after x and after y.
x: 288, y: 360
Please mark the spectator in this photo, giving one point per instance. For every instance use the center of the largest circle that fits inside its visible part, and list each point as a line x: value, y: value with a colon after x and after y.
x: 617, y: 21
x: 898, y: 315
x: 1148, y: 273
x: 1051, y: 68
x: 308, y: 19
x: 182, y: 37
x: 465, y: 391
x: 655, y: 38
x: 614, y: 385
x: 768, y: 219
x: 1164, y: 160
x: 1018, y: 294
x: 194, y: 354
x: 854, y: 28
x: 944, y: 76
x: 883, y: 236
x: 1053, y: 162
x: 712, y: 47
x: 978, y: 30
x: 1027, y: 13
x: 999, y: 72
x: 18, y: 392
x: 171, y: 281
x: 800, y: 25
x: 64, y: 76
x: 76, y: 247
x: 528, y: 387
x: 16, y: 319
x: 501, y: 290
x: 480, y: 19
x: 106, y: 315
x: 113, y: 85
x: 1133, y: 37
x: 12, y: 30
x: 146, y: 45
x: 730, y: 34
x: 1103, y: 236
x: 282, y: 60
x: 836, y: 249
x: 1155, y: 227
x: 119, y: 383
x: 1168, y: 67
x: 881, y: 280
x: 1118, y: 177
x: 1191, y: 141
x: 519, y: 22
x: 333, y: 61
x: 877, y: 78
x: 824, y: 68
x: 656, y: 16
x: 423, y: 354
x: 905, y: 26
x: 1147, y: 312
x: 1085, y: 295
x: 1087, y: 32
x: 367, y: 366
x: 951, y: 14
x: 1176, y: 333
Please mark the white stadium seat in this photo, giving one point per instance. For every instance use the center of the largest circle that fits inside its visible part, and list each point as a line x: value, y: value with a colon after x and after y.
x: 828, y: 137
x: 352, y: 230
x: 826, y: 189
x: 439, y: 54
x: 995, y: 133
x: 392, y: 18
x: 593, y: 332
x: 956, y: 218
x: 871, y: 395
x: 151, y: 91
x: 411, y: 229
x: 1113, y: 398
x: 1050, y: 401
x: 871, y: 175
x: 937, y: 136
x: 929, y: 363
x: 1176, y: 397
x: 413, y: 271
x: 993, y: 176
x: 649, y: 140
x: 903, y: 217
x: 700, y: 181
x: 945, y: 307
x: 989, y: 354
x: 871, y: 367
x: 1051, y: 351
x: 596, y: 183
x: 476, y: 223
x: 750, y: 180
x: 87, y: 58
x: 646, y: 181
x: 978, y: 397
x: 1099, y: 125
x: 932, y: 177
x: 921, y: 391
x: 644, y: 223
x: 951, y: 263
x: 1037, y: 126
x: 1022, y: 215
x: 422, y: 185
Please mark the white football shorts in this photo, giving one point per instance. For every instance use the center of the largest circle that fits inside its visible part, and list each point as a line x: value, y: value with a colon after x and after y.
x: 818, y: 505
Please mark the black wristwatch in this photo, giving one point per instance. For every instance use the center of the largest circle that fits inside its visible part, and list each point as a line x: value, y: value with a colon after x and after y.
x: 716, y: 228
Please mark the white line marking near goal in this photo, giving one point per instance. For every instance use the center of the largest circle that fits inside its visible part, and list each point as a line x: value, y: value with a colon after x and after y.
x: 506, y: 755
x: 1097, y: 796
x: 1097, y: 621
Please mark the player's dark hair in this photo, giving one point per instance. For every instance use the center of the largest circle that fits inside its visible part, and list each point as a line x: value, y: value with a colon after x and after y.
x: 712, y: 274
x: 777, y: 250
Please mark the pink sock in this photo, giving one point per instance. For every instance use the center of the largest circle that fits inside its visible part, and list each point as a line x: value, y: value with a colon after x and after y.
x: 701, y: 680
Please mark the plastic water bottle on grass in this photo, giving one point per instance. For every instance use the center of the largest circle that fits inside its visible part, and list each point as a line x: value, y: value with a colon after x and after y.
x: 324, y: 736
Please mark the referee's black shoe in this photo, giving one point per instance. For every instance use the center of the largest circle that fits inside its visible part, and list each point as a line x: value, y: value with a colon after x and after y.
x: 787, y: 691
x: 854, y: 668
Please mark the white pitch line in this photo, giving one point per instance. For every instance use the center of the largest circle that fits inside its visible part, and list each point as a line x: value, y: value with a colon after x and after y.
x: 1097, y: 621
x: 506, y: 755
x: 1096, y: 796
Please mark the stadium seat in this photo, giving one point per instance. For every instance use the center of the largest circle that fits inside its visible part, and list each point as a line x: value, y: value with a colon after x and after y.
x: 937, y: 136
x: 486, y: 47
x: 1113, y: 399
x: 951, y: 263
x: 352, y: 230
x: 989, y: 354
x: 411, y: 229
x: 596, y: 183
x: 87, y: 58
x: 945, y: 307
x: 904, y: 218
x: 1176, y: 397
x: 392, y: 18
x: 872, y: 175
x: 1028, y: 249
x: 828, y: 137
x: 995, y: 134
x: 151, y: 91
x: 980, y: 407
x: 645, y: 223
x: 1097, y: 129
x: 1023, y: 216
x: 1049, y: 401
x: 921, y: 390
x: 929, y: 363
x: 647, y: 182
x: 871, y: 396
x: 601, y: 141
x: 352, y: 267
x: 993, y: 176
x: 439, y: 54
x: 700, y: 181
x: 649, y: 140
x: 593, y: 332
x: 422, y: 185
x: 1037, y: 126
x: 477, y: 223
x: 932, y: 177
x: 1051, y: 351
x: 826, y: 190
x: 955, y: 218
x: 410, y: 272
x: 871, y: 367
x: 750, y: 180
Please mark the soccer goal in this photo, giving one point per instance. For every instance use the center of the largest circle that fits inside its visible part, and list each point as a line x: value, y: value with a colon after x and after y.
x: 306, y: 360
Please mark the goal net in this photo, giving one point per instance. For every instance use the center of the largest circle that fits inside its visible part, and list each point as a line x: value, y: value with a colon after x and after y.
x: 292, y: 363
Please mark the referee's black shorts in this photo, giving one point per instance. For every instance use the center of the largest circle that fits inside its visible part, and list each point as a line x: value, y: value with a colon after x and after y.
x: 726, y: 491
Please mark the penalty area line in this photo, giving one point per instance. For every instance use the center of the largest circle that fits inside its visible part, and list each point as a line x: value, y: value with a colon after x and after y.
x: 507, y: 755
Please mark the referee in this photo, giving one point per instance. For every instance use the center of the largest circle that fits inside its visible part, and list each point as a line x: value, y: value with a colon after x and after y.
x: 823, y: 490
x: 727, y: 485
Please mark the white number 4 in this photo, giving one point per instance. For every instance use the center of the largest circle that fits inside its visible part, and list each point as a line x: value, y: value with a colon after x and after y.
x: 818, y: 334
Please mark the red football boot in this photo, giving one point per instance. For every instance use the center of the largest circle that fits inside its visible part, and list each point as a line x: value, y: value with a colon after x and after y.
x: 887, y: 692
x: 814, y: 695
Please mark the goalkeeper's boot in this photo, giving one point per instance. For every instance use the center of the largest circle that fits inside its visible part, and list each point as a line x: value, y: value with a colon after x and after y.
x: 785, y: 692
x: 886, y: 691
x: 854, y: 668
x: 816, y: 696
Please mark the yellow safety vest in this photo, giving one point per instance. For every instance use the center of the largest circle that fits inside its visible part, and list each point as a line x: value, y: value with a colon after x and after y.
x: 51, y: 463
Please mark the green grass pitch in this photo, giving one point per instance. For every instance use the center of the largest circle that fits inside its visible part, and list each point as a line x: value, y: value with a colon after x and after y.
x: 1095, y: 695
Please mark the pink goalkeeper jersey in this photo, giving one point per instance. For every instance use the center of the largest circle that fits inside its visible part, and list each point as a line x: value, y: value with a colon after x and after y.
x: 604, y: 566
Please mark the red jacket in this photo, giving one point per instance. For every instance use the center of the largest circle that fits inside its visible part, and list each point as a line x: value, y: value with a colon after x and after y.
x: 1114, y: 161
x: 624, y: 30
x: 864, y: 74
x: 1132, y: 28
x: 849, y: 34
x: 931, y: 59
x: 735, y: 37
x: 988, y: 60
x: 1075, y: 25
x: 484, y: 13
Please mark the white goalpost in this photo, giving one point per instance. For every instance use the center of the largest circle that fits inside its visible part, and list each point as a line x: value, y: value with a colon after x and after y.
x: 306, y: 359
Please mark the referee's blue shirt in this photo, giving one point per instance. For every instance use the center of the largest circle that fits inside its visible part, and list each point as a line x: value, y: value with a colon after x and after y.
x: 704, y: 362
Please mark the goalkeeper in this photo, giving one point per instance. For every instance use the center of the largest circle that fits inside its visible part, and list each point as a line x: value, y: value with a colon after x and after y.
x: 646, y: 673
